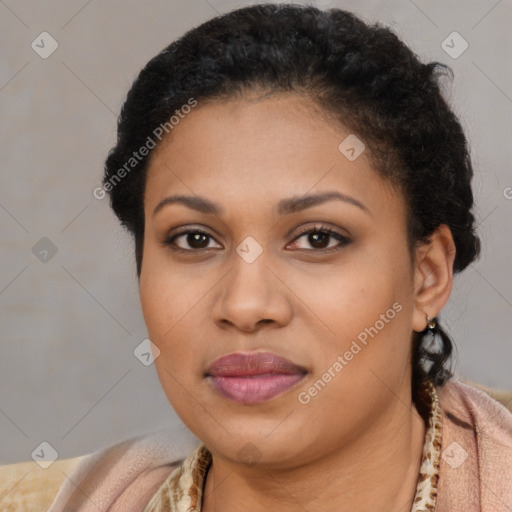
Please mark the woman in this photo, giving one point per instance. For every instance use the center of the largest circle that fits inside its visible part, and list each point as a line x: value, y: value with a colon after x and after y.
x: 299, y: 193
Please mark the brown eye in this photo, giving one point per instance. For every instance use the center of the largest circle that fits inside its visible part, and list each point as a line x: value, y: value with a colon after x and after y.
x: 197, y: 240
x: 320, y: 237
x: 190, y: 240
x: 319, y: 240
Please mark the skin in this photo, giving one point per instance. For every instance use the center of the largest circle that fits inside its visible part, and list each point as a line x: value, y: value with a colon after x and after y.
x: 359, y: 441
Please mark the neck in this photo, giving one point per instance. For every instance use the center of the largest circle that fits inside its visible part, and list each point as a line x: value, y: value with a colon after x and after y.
x: 380, y: 466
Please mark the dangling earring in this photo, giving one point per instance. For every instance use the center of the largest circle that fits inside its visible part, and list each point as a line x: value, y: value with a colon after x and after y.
x: 431, y: 325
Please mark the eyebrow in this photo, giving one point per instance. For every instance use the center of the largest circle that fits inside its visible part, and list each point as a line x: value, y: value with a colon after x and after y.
x: 284, y: 207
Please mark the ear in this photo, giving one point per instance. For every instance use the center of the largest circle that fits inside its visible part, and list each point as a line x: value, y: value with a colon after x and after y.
x: 433, y: 276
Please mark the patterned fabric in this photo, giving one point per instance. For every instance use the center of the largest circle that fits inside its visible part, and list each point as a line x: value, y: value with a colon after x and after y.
x: 426, y: 489
x: 182, y: 491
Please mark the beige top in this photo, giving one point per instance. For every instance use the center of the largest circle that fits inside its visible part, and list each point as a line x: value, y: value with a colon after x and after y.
x: 182, y: 491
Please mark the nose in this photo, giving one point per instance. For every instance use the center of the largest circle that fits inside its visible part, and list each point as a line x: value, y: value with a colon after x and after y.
x: 251, y: 295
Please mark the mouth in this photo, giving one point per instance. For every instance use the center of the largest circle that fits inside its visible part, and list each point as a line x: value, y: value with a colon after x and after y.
x: 251, y: 378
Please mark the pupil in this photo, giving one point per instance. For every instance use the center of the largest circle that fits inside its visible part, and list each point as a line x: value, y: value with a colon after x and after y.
x: 194, y: 240
x: 320, y: 244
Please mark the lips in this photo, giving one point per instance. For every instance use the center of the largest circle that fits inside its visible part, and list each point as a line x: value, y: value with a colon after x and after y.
x: 246, y: 365
x: 253, y: 377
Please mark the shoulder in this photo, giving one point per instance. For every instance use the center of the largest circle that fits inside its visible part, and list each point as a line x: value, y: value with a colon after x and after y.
x: 120, y: 477
x: 480, y: 407
x: 476, y: 453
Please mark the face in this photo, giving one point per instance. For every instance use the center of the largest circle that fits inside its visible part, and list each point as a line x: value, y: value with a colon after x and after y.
x: 326, y: 284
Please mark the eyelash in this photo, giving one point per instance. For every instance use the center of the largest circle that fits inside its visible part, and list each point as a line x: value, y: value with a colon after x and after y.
x: 317, y: 229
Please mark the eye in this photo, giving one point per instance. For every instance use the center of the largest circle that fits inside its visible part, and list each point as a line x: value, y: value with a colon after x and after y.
x: 193, y: 240
x: 320, y: 237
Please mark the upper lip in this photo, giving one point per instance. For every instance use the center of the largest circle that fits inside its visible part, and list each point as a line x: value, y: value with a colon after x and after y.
x: 257, y: 363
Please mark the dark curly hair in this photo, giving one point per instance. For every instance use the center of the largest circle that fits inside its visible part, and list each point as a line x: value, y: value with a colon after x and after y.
x: 360, y: 74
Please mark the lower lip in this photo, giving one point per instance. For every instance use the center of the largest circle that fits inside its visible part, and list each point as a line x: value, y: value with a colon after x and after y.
x: 255, y: 389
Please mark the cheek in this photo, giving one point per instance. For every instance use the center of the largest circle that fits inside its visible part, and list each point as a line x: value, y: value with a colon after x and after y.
x: 368, y: 311
x: 156, y: 305
x: 165, y: 296
x: 359, y: 294
x: 173, y: 308
x: 171, y: 329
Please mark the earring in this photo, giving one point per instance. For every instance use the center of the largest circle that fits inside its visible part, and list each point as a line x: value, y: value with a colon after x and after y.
x: 431, y: 325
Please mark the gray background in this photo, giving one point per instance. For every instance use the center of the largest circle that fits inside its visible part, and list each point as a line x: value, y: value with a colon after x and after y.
x: 69, y: 325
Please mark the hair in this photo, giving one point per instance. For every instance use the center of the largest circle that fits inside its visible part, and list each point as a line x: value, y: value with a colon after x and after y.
x: 361, y: 74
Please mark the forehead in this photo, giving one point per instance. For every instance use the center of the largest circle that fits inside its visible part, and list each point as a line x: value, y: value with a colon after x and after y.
x: 260, y: 149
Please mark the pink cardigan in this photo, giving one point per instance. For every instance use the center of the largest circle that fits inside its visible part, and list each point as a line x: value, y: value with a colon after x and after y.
x: 124, y: 477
